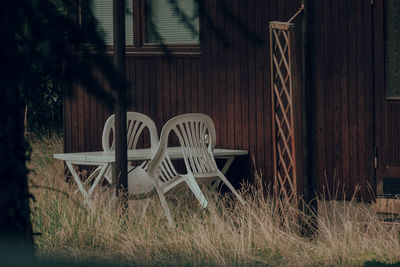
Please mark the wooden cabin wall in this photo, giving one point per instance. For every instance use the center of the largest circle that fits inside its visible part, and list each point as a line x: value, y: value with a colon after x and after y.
x: 345, y: 97
x: 232, y: 85
x: 229, y: 83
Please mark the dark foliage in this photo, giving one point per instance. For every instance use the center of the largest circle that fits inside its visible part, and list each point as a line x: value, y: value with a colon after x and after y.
x: 44, y: 109
x: 42, y: 50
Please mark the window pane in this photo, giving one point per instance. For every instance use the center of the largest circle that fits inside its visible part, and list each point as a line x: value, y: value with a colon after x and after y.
x: 103, y: 12
x: 128, y: 22
x: 392, y: 47
x: 169, y: 25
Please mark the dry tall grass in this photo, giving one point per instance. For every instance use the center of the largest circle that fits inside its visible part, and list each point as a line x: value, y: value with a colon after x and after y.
x: 224, y: 234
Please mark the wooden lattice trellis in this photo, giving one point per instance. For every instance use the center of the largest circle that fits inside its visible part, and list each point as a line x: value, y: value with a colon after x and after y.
x: 285, y: 110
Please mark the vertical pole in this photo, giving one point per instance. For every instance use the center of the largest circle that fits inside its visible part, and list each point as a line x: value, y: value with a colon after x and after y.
x: 309, y: 116
x: 120, y: 107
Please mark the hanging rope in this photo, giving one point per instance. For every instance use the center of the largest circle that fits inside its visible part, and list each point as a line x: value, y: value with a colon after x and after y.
x: 297, y: 13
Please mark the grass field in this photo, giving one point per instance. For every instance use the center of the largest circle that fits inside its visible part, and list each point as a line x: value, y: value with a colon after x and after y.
x: 225, y: 234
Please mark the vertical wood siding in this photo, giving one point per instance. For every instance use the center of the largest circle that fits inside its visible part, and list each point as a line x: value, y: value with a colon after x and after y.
x: 232, y: 85
x: 344, y: 78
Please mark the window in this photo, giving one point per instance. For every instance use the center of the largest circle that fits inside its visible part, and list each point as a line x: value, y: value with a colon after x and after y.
x: 172, y: 26
x: 149, y: 23
x: 103, y: 12
x: 392, y: 48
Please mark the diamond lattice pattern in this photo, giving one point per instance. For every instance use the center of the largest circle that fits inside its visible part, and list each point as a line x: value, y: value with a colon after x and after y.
x: 285, y: 180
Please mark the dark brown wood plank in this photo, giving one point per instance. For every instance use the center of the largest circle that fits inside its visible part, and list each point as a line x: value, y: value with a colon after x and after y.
x: 180, y: 91
x: 269, y: 162
x: 104, y: 112
x: 287, y: 10
x: 153, y: 75
x: 260, y: 86
x: 194, y: 85
x: 268, y: 154
x: 252, y: 104
x: 222, y: 83
x: 361, y: 99
x: 152, y: 91
x: 369, y: 105
x: 393, y: 130
x: 160, y: 90
x: 391, y: 135
x: 344, y: 97
x: 273, y: 13
x: 336, y: 104
x: 391, y: 140
x: 133, y: 83
x: 87, y: 119
x: 396, y: 133
x: 204, y: 29
x: 81, y: 118
x: 201, y: 89
x: 397, y: 141
x: 95, y: 136
x: 229, y: 81
x: 236, y: 83
x: 244, y: 78
x: 166, y: 90
x: 395, y: 125
x: 208, y: 80
x: 353, y: 95
x: 187, y: 86
x: 74, y: 117
x: 214, y: 68
x: 146, y: 86
x: 320, y: 87
x: 67, y: 117
x: 173, y: 86
x: 129, y: 91
x: 139, y: 87
x: 142, y: 82
x: 328, y: 80
x: 281, y: 10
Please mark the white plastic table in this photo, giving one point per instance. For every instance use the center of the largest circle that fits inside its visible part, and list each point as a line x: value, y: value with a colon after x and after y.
x: 104, y: 159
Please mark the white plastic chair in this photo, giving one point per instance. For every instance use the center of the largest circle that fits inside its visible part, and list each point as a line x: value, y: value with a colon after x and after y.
x: 192, y: 131
x: 138, y: 181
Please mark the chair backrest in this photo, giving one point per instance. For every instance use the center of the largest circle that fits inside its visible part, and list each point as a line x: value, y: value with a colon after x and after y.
x: 136, y: 123
x: 192, y: 131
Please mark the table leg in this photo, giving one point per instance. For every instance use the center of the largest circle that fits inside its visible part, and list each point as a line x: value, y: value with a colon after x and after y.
x: 99, y: 178
x: 87, y: 193
x: 228, y: 163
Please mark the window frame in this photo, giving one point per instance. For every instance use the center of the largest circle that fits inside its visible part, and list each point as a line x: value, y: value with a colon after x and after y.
x: 142, y: 48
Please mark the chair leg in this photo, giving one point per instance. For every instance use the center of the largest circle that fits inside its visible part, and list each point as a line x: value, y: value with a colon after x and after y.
x: 113, y: 195
x: 194, y: 186
x: 146, y: 205
x: 165, y: 206
x: 229, y: 185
